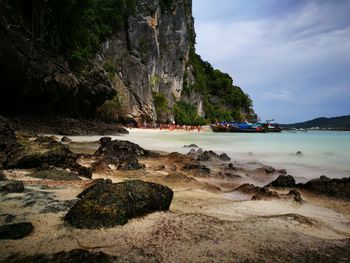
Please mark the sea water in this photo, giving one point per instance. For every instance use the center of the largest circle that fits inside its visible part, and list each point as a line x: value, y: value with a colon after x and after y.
x: 323, y: 152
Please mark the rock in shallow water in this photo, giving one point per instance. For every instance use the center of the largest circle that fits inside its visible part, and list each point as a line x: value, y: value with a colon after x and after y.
x: 106, y: 204
x: 123, y: 154
x: 339, y: 188
x: 283, y: 181
x: 16, y: 231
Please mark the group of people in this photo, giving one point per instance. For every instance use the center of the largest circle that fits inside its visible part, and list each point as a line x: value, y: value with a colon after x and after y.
x: 170, y: 127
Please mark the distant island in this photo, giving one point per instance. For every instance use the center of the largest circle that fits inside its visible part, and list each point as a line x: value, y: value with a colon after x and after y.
x: 323, y: 123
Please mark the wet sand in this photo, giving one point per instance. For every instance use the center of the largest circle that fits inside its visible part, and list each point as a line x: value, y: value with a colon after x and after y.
x: 208, y: 220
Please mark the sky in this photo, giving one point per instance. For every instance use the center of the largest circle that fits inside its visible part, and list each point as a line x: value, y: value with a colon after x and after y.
x: 291, y: 56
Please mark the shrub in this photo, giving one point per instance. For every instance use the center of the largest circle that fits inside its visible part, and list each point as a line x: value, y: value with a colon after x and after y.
x: 186, y: 114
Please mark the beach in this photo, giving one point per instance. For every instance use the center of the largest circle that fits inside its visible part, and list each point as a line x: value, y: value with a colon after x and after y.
x: 210, y: 218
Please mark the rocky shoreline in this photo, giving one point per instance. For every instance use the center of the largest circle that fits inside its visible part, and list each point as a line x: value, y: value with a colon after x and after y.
x: 123, y: 203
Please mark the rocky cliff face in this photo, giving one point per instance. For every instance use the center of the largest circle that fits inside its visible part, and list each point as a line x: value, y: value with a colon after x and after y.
x: 37, y: 80
x: 149, y: 55
x: 137, y: 62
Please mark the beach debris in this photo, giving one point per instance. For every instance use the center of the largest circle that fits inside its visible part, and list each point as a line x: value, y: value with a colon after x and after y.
x: 191, y: 146
x: 106, y: 204
x: 13, y: 187
x: 66, y: 139
x: 283, y: 181
x: 16, y: 231
x: 76, y: 255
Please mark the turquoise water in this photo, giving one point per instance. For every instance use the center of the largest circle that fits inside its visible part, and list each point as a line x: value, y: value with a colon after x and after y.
x: 324, y: 152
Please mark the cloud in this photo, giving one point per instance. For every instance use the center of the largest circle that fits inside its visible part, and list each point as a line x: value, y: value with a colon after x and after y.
x: 279, y: 95
x: 302, y: 46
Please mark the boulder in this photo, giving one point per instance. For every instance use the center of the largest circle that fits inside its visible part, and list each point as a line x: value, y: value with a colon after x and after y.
x: 123, y: 154
x: 13, y: 187
x: 197, y: 167
x: 16, y: 231
x: 283, y: 181
x: 77, y: 255
x: 65, y: 139
x: 224, y: 157
x: 106, y: 204
x: 339, y: 188
x: 8, y: 141
x: 55, y: 174
x: 59, y: 155
x: 257, y: 192
x: 210, y: 156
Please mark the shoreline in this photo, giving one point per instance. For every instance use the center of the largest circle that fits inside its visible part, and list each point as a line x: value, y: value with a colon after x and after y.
x: 215, y: 213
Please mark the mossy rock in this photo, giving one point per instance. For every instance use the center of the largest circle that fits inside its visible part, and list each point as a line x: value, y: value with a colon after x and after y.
x: 28, y: 158
x: 55, y: 174
x: 107, y: 205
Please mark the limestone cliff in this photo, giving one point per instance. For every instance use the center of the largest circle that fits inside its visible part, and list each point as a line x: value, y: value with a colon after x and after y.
x: 150, y: 55
x: 129, y: 60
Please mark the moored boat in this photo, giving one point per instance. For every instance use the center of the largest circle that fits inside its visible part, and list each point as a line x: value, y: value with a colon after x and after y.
x: 237, y: 127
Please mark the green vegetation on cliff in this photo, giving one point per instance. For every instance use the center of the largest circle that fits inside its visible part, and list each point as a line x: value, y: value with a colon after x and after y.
x: 222, y: 99
x: 74, y: 28
x: 186, y: 114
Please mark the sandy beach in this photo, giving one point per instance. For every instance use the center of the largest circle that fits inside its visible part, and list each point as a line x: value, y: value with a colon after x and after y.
x: 209, y: 220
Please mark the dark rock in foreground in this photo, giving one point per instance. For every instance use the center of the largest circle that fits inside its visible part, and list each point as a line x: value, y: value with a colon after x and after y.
x: 107, y: 205
x: 13, y: 187
x: 123, y: 154
x: 58, y: 156
x: 16, y: 231
x: 283, y: 181
x: 257, y: 192
x: 339, y: 188
x: 77, y: 255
